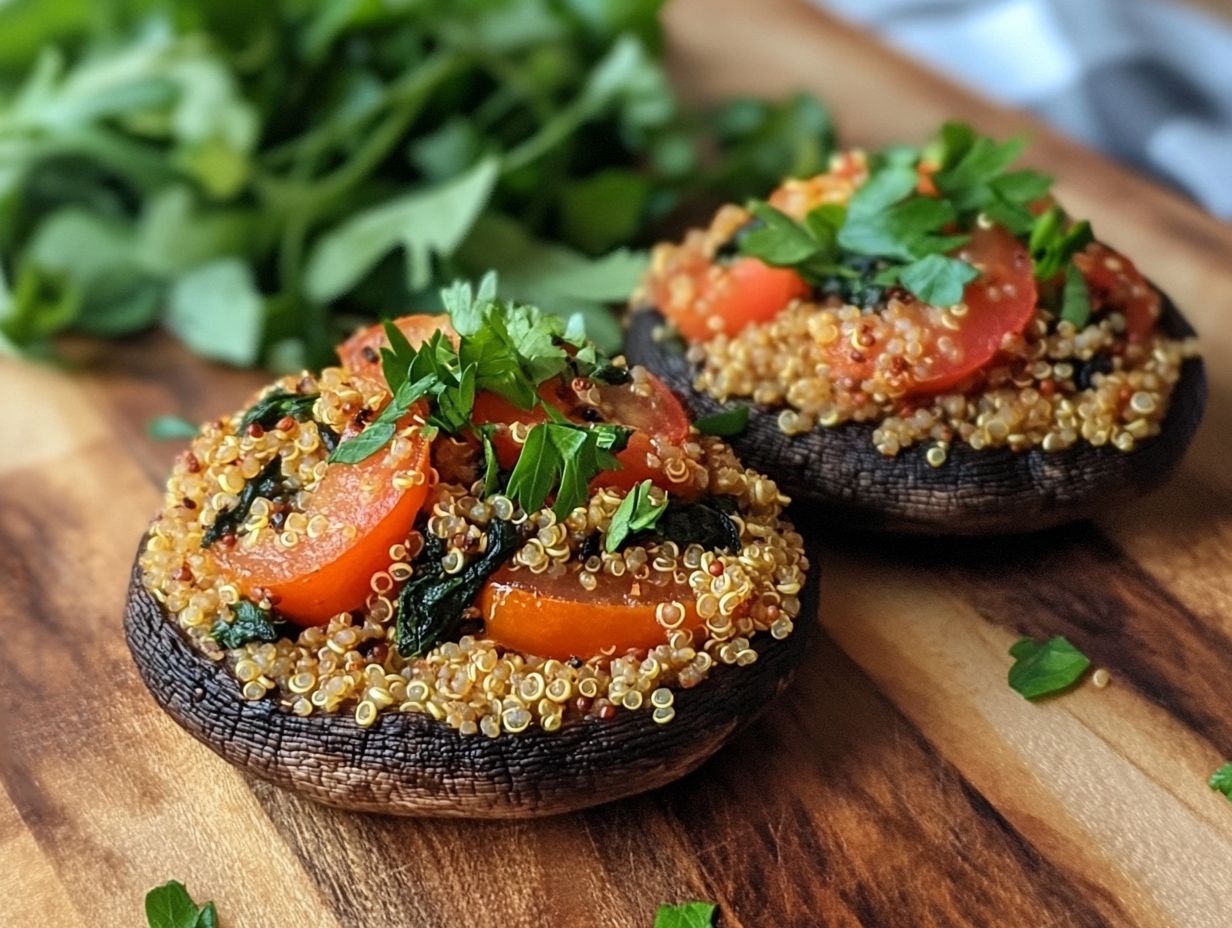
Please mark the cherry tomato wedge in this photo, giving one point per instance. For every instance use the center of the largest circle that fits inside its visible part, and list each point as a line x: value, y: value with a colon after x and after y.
x: 1000, y: 302
x: 742, y: 293
x: 1115, y: 283
x: 318, y: 578
x: 361, y: 352
x: 532, y: 614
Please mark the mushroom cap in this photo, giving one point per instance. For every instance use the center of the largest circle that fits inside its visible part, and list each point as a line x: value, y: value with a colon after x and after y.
x: 996, y: 490
x: 407, y: 763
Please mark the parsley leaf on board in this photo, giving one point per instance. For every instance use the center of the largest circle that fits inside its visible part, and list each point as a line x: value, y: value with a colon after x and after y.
x: 686, y: 915
x: 170, y: 906
x: 637, y: 512
x: 1044, y: 668
x: 1221, y: 780
x: 725, y: 423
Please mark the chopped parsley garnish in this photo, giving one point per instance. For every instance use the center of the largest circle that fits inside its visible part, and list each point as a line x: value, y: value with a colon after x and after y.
x: 249, y: 623
x: 686, y: 915
x: 637, y: 512
x: 1044, y: 668
x: 508, y: 349
x: 727, y: 422
x: 909, y: 234
x: 1221, y: 780
x: 170, y: 906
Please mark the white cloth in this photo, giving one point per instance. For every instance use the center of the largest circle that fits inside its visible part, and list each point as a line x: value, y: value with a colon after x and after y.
x: 1148, y: 82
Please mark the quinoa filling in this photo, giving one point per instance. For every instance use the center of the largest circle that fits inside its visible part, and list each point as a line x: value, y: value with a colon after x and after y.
x: 717, y: 568
x: 1007, y: 358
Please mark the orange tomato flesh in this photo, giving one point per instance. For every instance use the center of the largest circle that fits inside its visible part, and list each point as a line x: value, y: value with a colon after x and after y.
x: 1116, y: 283
x: 320, y: 577
x: 745, y: 292
x: 531, y: 620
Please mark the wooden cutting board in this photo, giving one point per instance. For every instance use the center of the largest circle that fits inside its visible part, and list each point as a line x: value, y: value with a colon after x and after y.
x: 899, y: 782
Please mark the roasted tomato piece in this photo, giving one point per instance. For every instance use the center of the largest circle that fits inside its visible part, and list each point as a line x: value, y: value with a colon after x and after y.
x: 370, y: 506
x: 1115, y: 283
x: 647, y: 406
x: 558, y: 617
x: 999, y: 303
x: 714, y: 298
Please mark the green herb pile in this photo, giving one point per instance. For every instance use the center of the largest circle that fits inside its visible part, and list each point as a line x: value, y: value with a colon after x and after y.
x: 891, y: 234
x: 257, y: 177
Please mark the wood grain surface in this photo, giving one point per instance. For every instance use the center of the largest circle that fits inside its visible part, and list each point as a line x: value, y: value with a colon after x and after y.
x: 898, y: 783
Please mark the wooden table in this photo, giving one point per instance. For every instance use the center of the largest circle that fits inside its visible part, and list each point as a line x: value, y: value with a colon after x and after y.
x: 900, y: 782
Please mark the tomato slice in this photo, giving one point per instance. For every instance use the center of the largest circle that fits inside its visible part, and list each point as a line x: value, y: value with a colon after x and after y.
x: 657, y: 417
x: 1000, y: 302
x: 1116, y: 283
x: 320, y: 577
x: 361, y: 352
x: 558, y: 618
x: 725, y: 298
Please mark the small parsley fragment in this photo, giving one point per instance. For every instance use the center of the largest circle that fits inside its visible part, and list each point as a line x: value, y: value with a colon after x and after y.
x: 1221, y: 780
x: 170, y: 428
x: 686, y: 915
x: 725, y: 423
x: 249, y: 623
x: 637, y: 512
x: 170, y: 906
x: 1045, y: 668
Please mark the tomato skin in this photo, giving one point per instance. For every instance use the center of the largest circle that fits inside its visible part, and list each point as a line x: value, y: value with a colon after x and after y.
x: 1116, y: 283
x: 743, y: 293
x: 531, y: 619
x: 361, y: 352
x: 321, y: 577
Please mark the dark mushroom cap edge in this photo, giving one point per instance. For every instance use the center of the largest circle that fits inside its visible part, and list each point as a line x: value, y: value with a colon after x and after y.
x: 411, y: 764
x: 839, y: 470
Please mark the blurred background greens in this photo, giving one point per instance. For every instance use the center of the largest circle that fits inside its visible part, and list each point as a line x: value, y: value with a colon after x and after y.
x: 259, y: 177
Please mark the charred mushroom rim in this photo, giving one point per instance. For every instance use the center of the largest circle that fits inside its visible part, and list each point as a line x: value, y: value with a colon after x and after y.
x: 927, y: 342
x: 478, y: 569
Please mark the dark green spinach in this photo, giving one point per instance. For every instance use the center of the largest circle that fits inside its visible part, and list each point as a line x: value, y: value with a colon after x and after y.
x: 706, y: 523
x: 268, y: 483
x: 431, y: 604
x: 250, y: 623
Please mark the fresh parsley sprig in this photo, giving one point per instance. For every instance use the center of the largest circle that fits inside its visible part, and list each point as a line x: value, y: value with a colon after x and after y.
x: 893, y: 233
x: 509, y: 349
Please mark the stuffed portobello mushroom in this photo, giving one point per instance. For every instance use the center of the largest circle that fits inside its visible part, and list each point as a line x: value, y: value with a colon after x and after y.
x: 478, y: 569
x: 925, y: 341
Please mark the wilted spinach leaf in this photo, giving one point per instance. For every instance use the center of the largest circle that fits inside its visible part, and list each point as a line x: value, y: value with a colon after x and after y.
x: 705, y: 523
x: 268, y: 483
x: 250, y: 623
x: 431, y: 604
